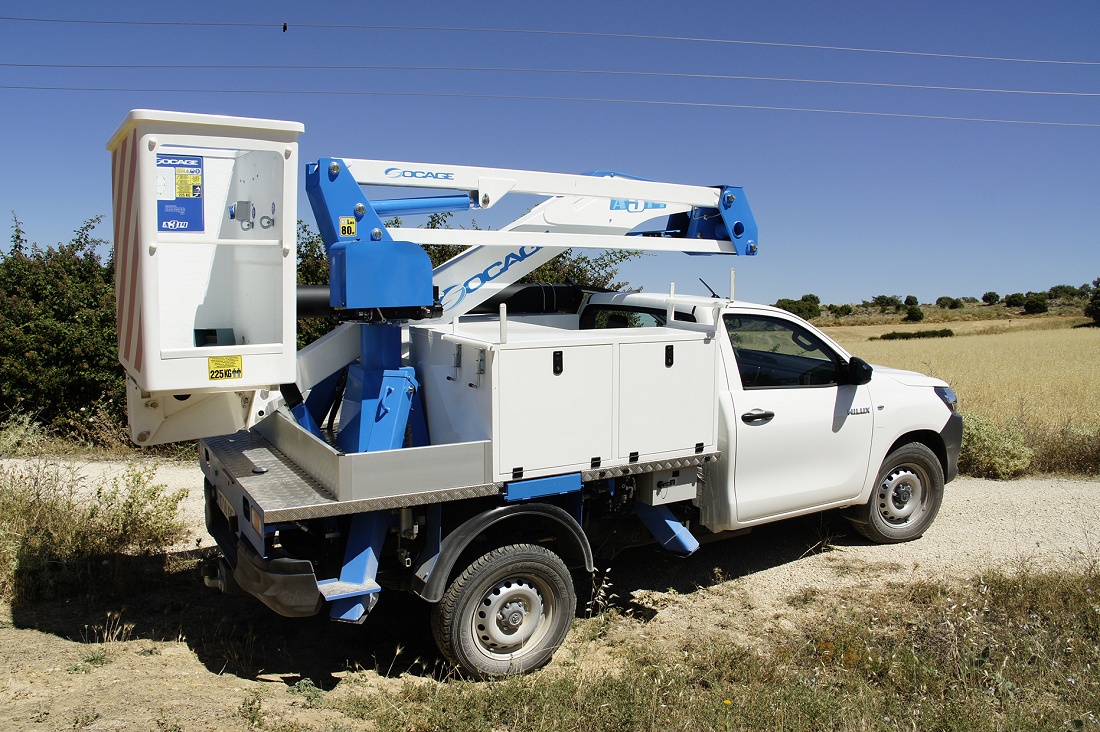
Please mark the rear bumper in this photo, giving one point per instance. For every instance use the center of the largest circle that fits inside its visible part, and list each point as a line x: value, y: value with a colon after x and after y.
x: 287, y: 586
x: 952, y: 435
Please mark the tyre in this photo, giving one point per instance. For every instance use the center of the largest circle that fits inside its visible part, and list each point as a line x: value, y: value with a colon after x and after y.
x: 507, y: 613
x: 906, y: 497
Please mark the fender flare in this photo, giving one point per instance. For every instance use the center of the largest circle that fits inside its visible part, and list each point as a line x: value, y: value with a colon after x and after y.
x: 434, y: 572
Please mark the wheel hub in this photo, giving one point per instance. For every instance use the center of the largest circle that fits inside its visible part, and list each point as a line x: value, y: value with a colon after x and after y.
x: 900, y: 495
x: 512, y: 616
x: 508, y: 616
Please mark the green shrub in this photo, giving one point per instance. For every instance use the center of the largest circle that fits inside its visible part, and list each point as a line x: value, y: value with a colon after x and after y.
x: 993, y: 450
x: 914, y: 314
x: 841, y: 311
x: 60, y: 537
x: 1036, y: 303
x: 886, y: 302
x: 1015, y: 300
x: 805, y: 309
x: 911, y: 301
x: 1065, y: 292
x: 911, y: 335
x: 991, y: 298
x: 1092, y: 309
x: 58, y: 349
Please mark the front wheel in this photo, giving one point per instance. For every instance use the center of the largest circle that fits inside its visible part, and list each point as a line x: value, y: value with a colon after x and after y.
x: 507, y: 612
x: 906, y: 496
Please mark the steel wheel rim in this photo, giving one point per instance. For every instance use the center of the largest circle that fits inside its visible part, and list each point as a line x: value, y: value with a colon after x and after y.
x: 901, y: 494
x: 511, y: 615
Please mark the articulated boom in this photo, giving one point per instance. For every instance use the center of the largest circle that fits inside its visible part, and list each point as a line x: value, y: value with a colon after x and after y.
x: 600, y: 210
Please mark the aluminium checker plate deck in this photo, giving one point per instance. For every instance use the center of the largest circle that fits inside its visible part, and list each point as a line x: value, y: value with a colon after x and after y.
x: 283, y: 491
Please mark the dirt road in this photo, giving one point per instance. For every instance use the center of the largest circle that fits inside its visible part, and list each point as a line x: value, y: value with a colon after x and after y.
x: 184, y: 657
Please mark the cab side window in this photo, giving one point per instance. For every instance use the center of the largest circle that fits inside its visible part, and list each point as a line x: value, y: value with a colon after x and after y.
x: 774, y: 353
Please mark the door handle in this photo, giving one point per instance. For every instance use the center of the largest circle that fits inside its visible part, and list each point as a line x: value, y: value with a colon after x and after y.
x: 757, y: 415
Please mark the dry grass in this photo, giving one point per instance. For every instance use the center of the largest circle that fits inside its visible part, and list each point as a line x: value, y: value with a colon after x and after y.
x: 1034, y: 382
x: 1018, y: 374
x: 1003, y: 651
x: 852, y: 335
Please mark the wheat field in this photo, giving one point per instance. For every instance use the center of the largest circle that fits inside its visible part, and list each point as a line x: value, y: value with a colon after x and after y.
x: 1042, y: 371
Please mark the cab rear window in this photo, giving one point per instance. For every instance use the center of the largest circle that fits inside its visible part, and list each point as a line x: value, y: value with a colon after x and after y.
x: 601, y: 316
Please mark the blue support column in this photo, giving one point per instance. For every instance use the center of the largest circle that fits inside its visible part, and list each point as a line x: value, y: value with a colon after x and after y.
x: 666, y: 529
x: 379, y: 394
x: 354, y: 594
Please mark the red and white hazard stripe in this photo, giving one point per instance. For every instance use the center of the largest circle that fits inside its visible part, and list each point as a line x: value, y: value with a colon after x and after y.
x: 127, y: 251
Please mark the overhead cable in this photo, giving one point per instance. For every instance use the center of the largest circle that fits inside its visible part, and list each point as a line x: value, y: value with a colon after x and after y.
x: 283, y: 27
x: 532, y: 70
x: 531, y: 97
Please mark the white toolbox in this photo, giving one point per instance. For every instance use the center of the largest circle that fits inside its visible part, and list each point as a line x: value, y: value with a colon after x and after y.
x: 554, y: 400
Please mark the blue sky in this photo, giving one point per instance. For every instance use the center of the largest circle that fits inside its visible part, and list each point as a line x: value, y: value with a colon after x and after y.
x: 849, y: 205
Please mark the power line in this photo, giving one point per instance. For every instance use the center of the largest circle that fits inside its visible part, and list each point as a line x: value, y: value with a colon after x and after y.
x: 531, y: 97
x: 530, y: 31
x: 529, y: 70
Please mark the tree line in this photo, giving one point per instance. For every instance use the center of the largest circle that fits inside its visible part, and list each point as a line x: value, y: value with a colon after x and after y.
x: 1085, y: 296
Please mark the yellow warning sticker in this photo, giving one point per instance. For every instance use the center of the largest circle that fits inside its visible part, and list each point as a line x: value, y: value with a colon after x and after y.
x: 225, y: 367
x: 188, y: 182
x: 347, y: 226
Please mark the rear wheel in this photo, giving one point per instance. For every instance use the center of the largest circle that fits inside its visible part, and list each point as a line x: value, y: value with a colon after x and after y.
x: 906, y: 497
x: 507, y: 612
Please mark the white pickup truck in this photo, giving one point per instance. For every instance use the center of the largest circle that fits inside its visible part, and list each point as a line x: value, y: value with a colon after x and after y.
x: 804, y: 426
x: 478, y: 460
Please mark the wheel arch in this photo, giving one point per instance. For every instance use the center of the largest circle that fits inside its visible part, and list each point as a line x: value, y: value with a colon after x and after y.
x: 932, y: 440
x: 536, y: 523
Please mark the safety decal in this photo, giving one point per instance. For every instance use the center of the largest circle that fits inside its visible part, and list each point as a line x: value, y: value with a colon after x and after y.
x: 347, y: 226
x: 225, y: 367
x: 179, y: 192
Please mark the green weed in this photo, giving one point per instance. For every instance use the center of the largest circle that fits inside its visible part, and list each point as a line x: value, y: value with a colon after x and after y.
x: 60, y: 538
x: 992, y: 449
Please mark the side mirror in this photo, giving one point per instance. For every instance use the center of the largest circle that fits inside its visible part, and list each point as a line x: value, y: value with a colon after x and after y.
x: 859, y: 371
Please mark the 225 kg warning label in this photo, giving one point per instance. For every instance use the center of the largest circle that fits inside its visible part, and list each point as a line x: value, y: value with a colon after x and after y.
x: 225, y: 367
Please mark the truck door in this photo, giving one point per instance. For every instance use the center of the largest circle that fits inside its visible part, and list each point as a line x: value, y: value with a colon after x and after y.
x: 802, y: 439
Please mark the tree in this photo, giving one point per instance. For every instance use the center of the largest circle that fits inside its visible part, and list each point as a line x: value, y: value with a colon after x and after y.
x: 1015, y: 300
x: 840, y: 311
x: 598, y: 271
x: 1064, y: 292
x: 805, y: 308
x: 911, y: 301
x: 885, y: 302
x: 947, y: 302
x: 1035, y: 303
x: 1092, y: 309
x: 58, y: 342
x: 914, y: 314
x: 991, y: 298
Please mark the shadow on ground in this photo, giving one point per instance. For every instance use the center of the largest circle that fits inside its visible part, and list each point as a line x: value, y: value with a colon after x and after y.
x: 238, y: 635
